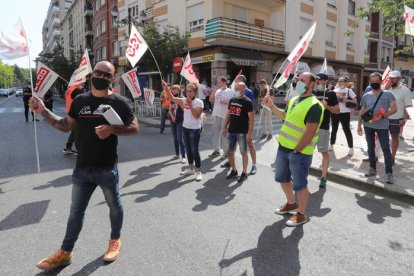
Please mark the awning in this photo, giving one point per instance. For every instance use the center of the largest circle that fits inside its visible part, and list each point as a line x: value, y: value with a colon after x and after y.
x: 246, y: 58
x: 299, y: 68
x: 316, y: 69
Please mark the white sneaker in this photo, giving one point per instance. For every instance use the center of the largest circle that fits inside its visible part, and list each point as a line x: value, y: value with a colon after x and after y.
x: 351, y: 152
x: 199, y: 176
x: 330, y: 148
x: 183, y: 161
x: 188, y: 171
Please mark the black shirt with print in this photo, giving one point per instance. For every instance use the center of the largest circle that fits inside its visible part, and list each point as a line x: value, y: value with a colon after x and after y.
x: 87, y: 110
x: 332, y: 100
x: 239, y: 109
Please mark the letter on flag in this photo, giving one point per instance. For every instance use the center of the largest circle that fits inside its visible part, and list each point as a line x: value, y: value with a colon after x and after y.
x: 409, y: 20
x: 136, y: 46
x: 14, y: 45
x: 85, y: 68
x: 295, y: 55
x: 386, y: 76
x: 131, y: 80
x: 149, y: 96
x: 187, y: 71
x: 45, y: 78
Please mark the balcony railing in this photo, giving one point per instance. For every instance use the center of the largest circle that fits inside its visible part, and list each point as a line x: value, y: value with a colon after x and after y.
x: 225, y: 27
x: 146, y: 14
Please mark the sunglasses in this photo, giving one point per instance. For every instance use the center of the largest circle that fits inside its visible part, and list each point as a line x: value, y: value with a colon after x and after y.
x: 99, y: 73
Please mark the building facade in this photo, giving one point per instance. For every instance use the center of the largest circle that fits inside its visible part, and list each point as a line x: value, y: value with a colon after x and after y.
x: 51, y: 30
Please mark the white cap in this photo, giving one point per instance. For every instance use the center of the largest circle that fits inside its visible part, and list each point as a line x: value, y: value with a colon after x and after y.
x: 395, y: 74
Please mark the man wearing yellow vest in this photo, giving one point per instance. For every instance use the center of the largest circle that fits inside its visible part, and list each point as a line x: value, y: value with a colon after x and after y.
x: 297, y: 139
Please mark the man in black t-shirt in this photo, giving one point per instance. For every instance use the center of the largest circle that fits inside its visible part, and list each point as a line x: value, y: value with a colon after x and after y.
x: 330, y: 102
x: 239, y: 120
x: 96, y: 165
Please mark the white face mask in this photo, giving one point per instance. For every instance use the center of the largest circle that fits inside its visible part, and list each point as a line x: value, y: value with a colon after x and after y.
x: 237, y: 94
x: 301, y: 87
x: 320, y: 87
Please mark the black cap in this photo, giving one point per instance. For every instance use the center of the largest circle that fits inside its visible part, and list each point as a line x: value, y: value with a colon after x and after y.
x: 322, y: 76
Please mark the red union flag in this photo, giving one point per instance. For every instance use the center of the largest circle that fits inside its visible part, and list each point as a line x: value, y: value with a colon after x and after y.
x: 295, y: 55
x: 386, y: 76
x: 187, y: 71
x: 45, y: 78
x: 409, y: 20
x: 149, y: 96
x: 14, y: 45
x: 136, y: 46
x: 131, y: 80
x: 85, y: 68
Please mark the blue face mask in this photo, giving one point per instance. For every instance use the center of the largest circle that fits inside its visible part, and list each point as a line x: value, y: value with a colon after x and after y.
x: 237, y: 94
x: 301, y: 87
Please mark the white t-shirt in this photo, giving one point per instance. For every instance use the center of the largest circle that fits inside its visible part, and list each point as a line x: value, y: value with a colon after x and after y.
x: 221, y: 102
x: 189, y: 120
x: 402, y: 98
x: 341, y: 93
x: 201, y: 94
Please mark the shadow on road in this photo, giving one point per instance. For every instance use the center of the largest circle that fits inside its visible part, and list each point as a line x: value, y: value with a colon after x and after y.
x: 276, y: 254
x: 25, y: 214
x: 315, y: 202
x: 379, y: 208
x: 57, y: 183
x: 91, y: 267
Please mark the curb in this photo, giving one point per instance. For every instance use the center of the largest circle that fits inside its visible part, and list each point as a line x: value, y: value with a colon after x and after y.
x: 367, y: 184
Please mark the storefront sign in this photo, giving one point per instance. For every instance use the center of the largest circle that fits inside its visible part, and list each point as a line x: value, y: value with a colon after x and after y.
x: 225, y: 57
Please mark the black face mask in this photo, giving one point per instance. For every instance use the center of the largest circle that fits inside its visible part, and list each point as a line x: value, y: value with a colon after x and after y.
x: 100, y: 84
x: 294, y: 84
x: 375, y: 86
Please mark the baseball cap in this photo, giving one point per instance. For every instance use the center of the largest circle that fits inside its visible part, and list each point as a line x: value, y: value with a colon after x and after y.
x: 395, y: 74
x: 322, y: 76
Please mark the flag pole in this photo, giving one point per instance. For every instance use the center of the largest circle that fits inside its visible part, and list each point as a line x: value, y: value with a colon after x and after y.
x: 34, y: 114
x: 159, y: 71
x: 280, y: 68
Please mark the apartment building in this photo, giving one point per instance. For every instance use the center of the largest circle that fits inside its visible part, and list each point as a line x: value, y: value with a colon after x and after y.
x: 77, y: 30
x: 51, y: 31
x: 404, y: 61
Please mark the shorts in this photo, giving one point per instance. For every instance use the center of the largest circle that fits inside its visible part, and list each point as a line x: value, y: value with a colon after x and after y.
x: 293, y: 166
x: 323, y: 140
x: 234, y: 138
x: 394, y: 126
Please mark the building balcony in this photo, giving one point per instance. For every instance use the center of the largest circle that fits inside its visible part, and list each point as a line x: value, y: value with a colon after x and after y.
x: 56, y: 34
x: 88, y: 30
x: 146, y: 14
x: 88, y: 10
x: 230, y: 29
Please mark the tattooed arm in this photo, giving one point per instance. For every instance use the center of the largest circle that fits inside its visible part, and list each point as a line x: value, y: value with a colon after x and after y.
x: 64, y: 124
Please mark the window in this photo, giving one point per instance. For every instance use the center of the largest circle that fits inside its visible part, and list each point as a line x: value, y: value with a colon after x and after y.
x: 102, y: 2
x: 134, y: 11
x: 330, y: 35
x: 103, y: 52
x: 373, y: 49
x: 195, y: 18
x: 115, y: 48
x: 103, y: 26
x: 240, y: 13
x: 375, y: 22
x: 305, y: 24
x: 350, y: 41
x: 331, y: 3
x: 351, y: 7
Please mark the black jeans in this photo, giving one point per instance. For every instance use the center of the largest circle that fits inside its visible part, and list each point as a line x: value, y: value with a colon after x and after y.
x: 164, y: 116
x: 71, y: 139
x: 345, y: 119
x: 26, y: 112
x: 384, y: 140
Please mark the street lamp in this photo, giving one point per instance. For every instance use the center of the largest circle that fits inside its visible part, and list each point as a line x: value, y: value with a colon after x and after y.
x: 122, y: 22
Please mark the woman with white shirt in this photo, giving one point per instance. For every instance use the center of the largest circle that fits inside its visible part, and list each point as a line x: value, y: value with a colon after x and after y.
x: 193, y: 107
x: 344, y: 95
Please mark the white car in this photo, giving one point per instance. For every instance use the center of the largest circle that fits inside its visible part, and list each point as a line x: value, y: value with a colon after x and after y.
x: 19, y: 92
x: 5, y: 92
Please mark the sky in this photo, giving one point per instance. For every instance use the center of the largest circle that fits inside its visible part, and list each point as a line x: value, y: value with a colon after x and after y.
x: 32, y: 14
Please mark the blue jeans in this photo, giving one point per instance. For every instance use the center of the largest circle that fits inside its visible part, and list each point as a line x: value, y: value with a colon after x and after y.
x: 85, y: 180
x: 293, y: 167
x: 234, y: 138
x: 384, y: 140
x: 177, y: 132
x: 164, y: 116
x: 191, y: 141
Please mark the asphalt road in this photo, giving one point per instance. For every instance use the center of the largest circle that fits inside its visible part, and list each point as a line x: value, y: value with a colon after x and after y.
x: 176, y: 226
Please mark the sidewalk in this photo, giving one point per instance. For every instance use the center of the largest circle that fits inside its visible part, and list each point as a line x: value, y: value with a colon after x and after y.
x: 349, y: 171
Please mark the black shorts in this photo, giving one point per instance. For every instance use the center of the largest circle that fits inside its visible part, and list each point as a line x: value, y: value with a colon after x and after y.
x: 394, y: 126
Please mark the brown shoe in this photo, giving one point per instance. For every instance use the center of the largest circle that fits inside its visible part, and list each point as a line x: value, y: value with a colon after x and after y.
x: 286, y: 208
x: 113, y: 251
x: 297, y: 220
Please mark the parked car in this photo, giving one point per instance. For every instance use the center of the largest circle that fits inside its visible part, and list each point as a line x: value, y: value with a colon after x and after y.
x: 5, y: 92
x: 19, y: 92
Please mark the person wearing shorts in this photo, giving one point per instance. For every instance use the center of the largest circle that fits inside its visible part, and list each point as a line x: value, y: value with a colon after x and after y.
x: 238, y: 127
x: 330, y: 101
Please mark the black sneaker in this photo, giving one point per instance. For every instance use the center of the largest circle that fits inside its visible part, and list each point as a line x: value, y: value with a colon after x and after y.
x: 214, y: 154
x: 371, y: 172
x: 232, y: 174
x: 242, y: 178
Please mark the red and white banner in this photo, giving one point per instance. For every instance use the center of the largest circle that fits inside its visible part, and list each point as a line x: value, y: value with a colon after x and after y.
x: 234, y: 83
x: 136, y: 46
x: 45, y: 78
x: 149, y: 96
x: 295, y: 55
x: 85, y: 68
x: 14, y: 45
x: 409, y: 20
x: 386, y: 76
x: 131, y: 80
x: 187, y: 71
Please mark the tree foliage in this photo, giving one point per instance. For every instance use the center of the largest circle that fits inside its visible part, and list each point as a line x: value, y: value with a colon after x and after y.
x: 165, y: 45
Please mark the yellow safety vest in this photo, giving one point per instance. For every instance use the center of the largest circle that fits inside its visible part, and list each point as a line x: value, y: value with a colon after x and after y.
x: 294, y: 126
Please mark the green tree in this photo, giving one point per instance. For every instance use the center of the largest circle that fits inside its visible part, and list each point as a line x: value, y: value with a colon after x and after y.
x: 7, y: 76
x: 165, y: 46
x: 392, y: 12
